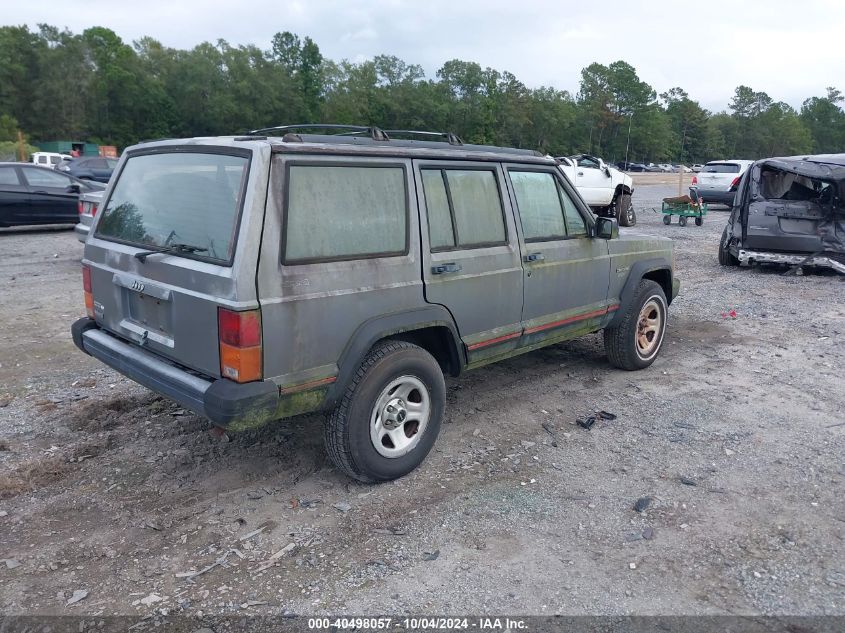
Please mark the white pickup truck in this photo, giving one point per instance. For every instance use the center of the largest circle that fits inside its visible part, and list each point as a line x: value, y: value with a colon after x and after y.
x: 606, y: 189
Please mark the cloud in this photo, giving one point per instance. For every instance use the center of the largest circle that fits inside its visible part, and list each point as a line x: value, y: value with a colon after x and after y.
x: 706, y: 48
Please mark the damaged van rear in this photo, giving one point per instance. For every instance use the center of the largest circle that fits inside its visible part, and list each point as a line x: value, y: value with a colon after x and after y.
x: 789, y: 211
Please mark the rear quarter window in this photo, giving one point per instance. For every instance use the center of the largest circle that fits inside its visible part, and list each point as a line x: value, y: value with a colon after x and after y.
x: 345, y: 212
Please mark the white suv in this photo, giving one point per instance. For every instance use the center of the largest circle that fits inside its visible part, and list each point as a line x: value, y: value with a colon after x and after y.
x: 49, y: 159
x: 717, y: 181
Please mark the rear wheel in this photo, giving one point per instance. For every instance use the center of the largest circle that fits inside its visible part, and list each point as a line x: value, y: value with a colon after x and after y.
x: 390, y: 416
x: 667, y: 220
x: 682, y: 220
x: 699, y: 221
x: 635, y: 342
x: 725, y: 256
x: 624, y: 210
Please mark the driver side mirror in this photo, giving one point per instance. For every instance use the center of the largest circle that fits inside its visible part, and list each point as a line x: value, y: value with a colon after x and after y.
x: 607, y: 228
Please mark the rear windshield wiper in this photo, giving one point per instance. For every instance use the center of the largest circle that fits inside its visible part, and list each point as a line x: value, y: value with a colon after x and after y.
x: 172, y: 248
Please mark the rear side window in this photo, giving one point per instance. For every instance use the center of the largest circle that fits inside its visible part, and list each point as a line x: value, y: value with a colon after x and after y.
x: 339, y: 213
x: 464, y: 208
x: 721, y: 168
x: 187, y: 198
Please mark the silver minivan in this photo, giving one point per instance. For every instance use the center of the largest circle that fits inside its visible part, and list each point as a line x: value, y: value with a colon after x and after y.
x: 258, y: 277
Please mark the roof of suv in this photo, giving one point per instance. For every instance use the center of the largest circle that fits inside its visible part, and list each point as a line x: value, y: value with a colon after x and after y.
x: 377, y: 143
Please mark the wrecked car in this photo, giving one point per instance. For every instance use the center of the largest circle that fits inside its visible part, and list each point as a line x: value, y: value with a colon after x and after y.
x: 789, y: 211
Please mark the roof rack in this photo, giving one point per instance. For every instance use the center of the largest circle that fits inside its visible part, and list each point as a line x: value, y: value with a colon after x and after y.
x: 387, y: 140
x: 451, y: 138
x: 375, y: 133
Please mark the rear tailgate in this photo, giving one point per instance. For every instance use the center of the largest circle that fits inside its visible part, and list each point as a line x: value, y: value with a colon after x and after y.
x: 208, y: 197
x: 784, y: 226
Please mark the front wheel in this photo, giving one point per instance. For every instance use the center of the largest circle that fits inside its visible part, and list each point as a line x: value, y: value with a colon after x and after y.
x: 699, y: 221
x: 389, y: 417
x: 667, y: 220
x: 682, y: 220
x: 636, y: 340
x: 624, y: 210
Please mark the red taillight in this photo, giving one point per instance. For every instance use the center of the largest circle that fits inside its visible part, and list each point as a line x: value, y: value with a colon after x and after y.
x: 79, y: 207
x: 93, y: 209
x: 695, y: 180
x: 734, y: 182
x: 86, y: 289
x: 240, y: 344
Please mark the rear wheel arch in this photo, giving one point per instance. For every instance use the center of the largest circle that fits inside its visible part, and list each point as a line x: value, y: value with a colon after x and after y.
x: 430, y: 328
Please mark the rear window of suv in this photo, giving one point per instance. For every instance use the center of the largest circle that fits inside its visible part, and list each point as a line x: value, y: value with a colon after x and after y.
x: 187, y: 198
x: 721, y: 168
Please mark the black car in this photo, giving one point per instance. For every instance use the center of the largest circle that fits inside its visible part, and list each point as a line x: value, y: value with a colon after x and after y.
x: 96, y: 168
x: 630, y: 166
x: 37, y: 195
x: 788, y: 211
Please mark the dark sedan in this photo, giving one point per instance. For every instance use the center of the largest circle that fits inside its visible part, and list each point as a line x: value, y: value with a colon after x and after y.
x: 90, y: 168
x: 36, y: 195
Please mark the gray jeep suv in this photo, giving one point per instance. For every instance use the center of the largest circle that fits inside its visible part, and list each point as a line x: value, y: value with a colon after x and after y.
x: 258, y: 277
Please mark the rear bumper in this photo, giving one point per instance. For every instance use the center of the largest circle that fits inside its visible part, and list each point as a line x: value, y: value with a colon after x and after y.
x: 223, y: 402
x: 746, y: 257
x: 717, y: 196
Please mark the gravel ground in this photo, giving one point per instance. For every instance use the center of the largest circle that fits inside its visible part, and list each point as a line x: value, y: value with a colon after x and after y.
x: 734, y: 438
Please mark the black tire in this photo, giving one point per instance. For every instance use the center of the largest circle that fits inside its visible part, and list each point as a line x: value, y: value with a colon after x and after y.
x: 624, y: 210
x: 621, y: 341
x: 725, y: 256
x: 699, y: 221
x: 347, y: 430
x: 667, y: 219
x: 682, y: 220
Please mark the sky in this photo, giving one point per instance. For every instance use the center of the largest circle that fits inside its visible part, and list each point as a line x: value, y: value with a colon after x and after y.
x: 791, y: 50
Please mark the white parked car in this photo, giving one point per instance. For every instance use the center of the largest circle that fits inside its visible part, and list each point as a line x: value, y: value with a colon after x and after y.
x: 606, y: 189
x: 49, y: 159
x: 717, y: 181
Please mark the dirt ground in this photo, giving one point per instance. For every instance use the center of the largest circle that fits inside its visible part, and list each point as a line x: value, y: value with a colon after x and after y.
x: 735, y: 435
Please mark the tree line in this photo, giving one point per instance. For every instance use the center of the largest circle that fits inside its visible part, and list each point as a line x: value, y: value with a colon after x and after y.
x: 55, y: 84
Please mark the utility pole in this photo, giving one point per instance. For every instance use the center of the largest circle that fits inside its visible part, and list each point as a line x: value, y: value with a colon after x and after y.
x: 21, y: 148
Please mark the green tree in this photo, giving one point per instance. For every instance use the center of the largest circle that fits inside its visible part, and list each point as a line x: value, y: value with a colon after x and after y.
x: 825, y: 121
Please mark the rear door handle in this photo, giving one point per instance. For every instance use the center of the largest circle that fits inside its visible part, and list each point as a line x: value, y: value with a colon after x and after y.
x: 442, y: 269
x: 580, y: 173
x: 534, y: 257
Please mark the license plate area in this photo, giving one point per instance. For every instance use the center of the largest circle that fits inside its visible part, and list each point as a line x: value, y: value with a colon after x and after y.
x: 149, y: 312
x: 146, y: 310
